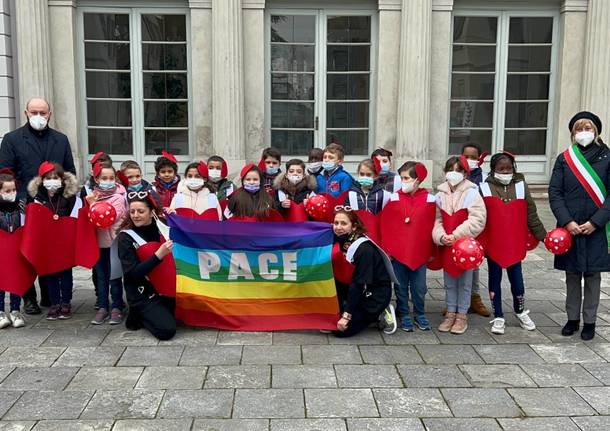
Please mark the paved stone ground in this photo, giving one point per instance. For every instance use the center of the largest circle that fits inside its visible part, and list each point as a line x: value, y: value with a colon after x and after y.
x: 71, y: 375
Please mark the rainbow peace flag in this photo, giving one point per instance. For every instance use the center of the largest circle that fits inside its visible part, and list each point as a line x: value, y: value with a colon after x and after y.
x: 254, y: 276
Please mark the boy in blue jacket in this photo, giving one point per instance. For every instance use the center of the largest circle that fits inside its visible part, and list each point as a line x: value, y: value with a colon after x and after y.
x: 333, y: 179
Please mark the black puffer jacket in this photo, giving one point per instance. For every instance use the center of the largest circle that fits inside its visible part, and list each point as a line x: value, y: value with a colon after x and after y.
x: 571, y: 202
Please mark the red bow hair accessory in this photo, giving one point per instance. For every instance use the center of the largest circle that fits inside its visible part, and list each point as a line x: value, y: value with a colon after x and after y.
x: 421, y: 171
x: 377, y: 164
x: 202, y: 168
x: 97, y: 169
x: 224, y: 170
x: 464, y: 163
x: 169, y: 156
x: 245, y: 170
x: 45, y: 167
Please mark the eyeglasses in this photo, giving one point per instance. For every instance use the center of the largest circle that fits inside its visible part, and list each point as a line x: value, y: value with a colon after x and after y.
x: 139, y: 195
x: 343, y: 208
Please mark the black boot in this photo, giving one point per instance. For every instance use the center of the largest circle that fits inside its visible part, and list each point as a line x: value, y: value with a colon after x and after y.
x: 570, y: 328
x: 588, y: 331
x: 44, y: 294
x: 30, y: 307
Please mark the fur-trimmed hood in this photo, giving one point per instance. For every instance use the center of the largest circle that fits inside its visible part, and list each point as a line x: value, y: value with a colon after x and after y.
x: 70, y: 187
x: 309, y: 182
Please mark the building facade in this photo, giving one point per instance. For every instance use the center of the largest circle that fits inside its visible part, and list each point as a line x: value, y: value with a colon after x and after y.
x: 231, y: 77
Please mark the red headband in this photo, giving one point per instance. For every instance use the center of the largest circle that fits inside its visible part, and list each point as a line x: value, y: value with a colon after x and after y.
x: 262, y: 165
x: 97, y: 169
x: 465, y: 165
x: 246, y: 169
x: 169, y: 156
x: 377, y: 164
x: 482, y: 157
x: 202, y: 168
x: 421, y: 171
x: 224, y: 170
x: 7, y: 171
x: 96, y: 157
x: 122, y: 178
x: 45, y: 167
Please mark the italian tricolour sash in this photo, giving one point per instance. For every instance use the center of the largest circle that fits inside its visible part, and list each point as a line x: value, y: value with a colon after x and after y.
x: 588, y: 178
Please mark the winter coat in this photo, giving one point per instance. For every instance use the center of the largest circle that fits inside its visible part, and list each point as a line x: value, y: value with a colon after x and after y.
x: 105, y: 237
x: 197, y: 201
x: 466, y: 195
x: 295, y: 192
x: 62, y: 202
x: 509, y: 193
x: 166, y: 194
x: 222, y: 188
x: 335, y: 183
x: 570, y: 202
x: 24, y: 149
x: 10, y: 215
x: 372, y: 201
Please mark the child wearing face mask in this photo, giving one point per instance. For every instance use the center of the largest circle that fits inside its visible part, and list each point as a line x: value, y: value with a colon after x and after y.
x: 314, y: 161
x: 511, y: 212
x: 218, y: 182
x: 408, y: 219
x: 366, y: 193
x: 269, y: 165
x: 250, y: 202
x: 11, y: 215
x: 333, y: 179
x: 130, y: 176
x: 194, y: 192
x: 57, y: 190
x: 388, y: 180
x: 107, y: 268
x: 167, y: 178
x: 461, y: 213
x: 293, y: 186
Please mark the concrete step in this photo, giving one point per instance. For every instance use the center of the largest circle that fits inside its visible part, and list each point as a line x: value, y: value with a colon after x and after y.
x: 539, y: 191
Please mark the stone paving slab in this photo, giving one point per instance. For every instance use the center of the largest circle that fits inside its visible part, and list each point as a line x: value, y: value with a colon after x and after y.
x: 308, y: 425
x: 238, y: 376
x: 432, y: 376
x: 411, y: 402
x: 264, y: 355
x: 269, y: 403
x: 478, y: 402
x: 38, y: 405
x: 123, y: 404
x: 367, y: 376
x: 212, y: 403
x: 172, y: 378
x: 151, y: 356
x: 74, y: 425
x: 560, y: 375
x: 460, y: 424
x: 231, y: 425
x: 34, y: 378
x: 538, y: 424
x: 152, y: 425
x: 90, y: 356
x: 497, y: 376
x: 550, y: 402
x: 304, y: 376
x: 390, y: 355
x: 94, y: 378
x: 211, y: 355
x: 331, y: 355
x: 332, y: 403
x: 385, y: 424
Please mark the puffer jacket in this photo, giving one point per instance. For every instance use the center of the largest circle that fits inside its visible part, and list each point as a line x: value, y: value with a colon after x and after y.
x: 298, y: 192
x: 105, y: 237
x: 197, y: 201
x: 63, y: 201
x: 466, y: 195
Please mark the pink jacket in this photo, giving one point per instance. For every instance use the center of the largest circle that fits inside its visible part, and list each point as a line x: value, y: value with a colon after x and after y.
x: 105, y: 237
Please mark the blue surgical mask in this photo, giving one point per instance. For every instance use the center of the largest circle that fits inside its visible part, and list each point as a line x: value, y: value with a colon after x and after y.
x: 365, y: 181
x: 272, y: 170
x: 385, y: 168
x: 252, y: 188
x: 107, y: 185
x: 328, y: 166
x: 135, y: 188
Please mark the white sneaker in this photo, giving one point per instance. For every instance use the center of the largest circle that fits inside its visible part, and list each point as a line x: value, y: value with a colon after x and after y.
x: 525, y: 321
x: 498, y: 325
x: 17, y: 319
x: 389, y: 318
x: 4, y: 320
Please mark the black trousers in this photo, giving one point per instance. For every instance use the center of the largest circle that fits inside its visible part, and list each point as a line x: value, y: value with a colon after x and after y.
x: 155, y: 314
x: 360, y: 320
x: 31, y: 296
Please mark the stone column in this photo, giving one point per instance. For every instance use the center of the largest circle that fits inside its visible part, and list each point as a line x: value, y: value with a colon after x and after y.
x: 388, y: 47
x: 227, y: 80
x: 254, y: 79
x: 414, y: 79
x: 33, y: 50
x: 596, y: 76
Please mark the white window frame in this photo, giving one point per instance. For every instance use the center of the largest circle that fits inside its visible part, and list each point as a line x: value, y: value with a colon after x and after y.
x: 320, y: 101
x: 137, y: 79
x: 537, y: 167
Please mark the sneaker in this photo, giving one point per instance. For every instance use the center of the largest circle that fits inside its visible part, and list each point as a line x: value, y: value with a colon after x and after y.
x: 100, y: 317
x: 422, y: 323
x: 4, y: 319
x: 65, y: 312
x: 30, y: 307
x: 447, y: 322
x: 17, y: 319
x: 389, y: 318
x: 498, y: 325
x: 460, y: 325
x: 53, y: 313
x: 96, y: 306
x: 525, y: 321
x: 406, y: 323
x: 115, y: 316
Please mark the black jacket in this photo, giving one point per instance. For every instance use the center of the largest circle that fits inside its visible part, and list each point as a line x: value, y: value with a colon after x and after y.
x: 570, y: 202
x: 24, y: 149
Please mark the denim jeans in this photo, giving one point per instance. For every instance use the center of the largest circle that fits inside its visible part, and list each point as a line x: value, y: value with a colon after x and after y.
x: 60, y: 286
x: 15, y: 301
x: 517, y: 288
x: 104, y: 284
x: 458, y: 292
x: 411, y: 282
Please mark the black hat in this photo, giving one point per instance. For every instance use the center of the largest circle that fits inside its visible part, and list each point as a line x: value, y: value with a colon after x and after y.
x: 588, y: 116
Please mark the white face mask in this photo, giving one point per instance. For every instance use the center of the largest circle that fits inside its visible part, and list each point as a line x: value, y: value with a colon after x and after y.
x: 584, y: 138
x: 314, y: 167
x: 8, y: 197
x: 407, y: 187
x: 295, y: 179
x: 503, y: 178
x: 193, y: 183
x: 52, y: 185
x: 38, y: 122
x: 214, y: 174
x: 473, y: 164
x: 454, y: 178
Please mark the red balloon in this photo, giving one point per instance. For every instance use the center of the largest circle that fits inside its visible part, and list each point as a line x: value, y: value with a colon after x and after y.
x: 467, y: 253
x: 531, y: 242
x: 318, y: 208
x: 102, y: 215
x: 558, y: 240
